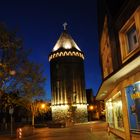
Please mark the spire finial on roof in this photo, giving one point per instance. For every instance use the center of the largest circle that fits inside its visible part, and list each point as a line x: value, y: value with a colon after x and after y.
x: 65, y: 25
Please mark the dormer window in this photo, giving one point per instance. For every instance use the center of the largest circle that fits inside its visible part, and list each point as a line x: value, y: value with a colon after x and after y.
x: 129, y: 36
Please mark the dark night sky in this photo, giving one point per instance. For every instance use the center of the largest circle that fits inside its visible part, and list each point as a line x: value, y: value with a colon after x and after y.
x: 39, y: 24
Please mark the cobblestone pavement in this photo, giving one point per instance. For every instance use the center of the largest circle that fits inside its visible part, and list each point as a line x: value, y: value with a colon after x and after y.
x: 87, y: 131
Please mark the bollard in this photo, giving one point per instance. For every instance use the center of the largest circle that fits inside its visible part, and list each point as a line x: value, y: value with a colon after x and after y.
x: 19, y: 133
x: 91, y: 129
x: 108, y: 129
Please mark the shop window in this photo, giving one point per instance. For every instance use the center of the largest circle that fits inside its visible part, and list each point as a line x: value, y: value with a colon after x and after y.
x: 129, y: 36
x: 109, y: 113
x: 133, y: 102
x: 114, y: 112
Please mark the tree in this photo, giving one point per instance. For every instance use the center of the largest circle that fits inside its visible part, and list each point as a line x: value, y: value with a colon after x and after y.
x: 17, y: 72
x: 9, y: 45
x: 38, y: 107
x: 7, y: 101
x: 30, y: 83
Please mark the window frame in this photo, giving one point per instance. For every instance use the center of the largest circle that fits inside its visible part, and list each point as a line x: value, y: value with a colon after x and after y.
x: 134, y: 20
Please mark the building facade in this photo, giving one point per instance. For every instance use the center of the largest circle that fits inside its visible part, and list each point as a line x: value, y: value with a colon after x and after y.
x: 67, y: 81
x: 96, y: 109
x: 119, y: 40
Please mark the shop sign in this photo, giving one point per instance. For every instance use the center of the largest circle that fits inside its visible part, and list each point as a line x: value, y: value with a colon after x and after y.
x: 135, y: 95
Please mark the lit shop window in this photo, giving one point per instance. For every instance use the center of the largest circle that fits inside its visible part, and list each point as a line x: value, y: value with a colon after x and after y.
x: 129, y: 36
x: 114, y: 112
x: 109, y: 113
x: 133, y: 102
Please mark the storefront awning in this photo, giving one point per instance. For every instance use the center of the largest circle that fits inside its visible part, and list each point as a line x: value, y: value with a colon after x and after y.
x: 110, y: 82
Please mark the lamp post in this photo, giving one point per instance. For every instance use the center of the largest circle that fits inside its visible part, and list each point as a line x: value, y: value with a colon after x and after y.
x: 43, y: 107
x: 11, y: 111
x: 4, y: 68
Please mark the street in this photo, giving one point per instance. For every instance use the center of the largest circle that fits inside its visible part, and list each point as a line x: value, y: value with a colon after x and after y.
x: 87, y: 131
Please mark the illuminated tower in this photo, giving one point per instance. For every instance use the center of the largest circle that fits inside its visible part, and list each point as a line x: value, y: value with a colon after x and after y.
x: 67, y: 80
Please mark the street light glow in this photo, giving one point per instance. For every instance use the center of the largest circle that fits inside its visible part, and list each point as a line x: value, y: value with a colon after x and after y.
x: 91, y: 107
x: 12, y: 72
x: 42, y: 106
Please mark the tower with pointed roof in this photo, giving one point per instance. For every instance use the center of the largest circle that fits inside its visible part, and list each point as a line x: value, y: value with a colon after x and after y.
x: 69, y: 102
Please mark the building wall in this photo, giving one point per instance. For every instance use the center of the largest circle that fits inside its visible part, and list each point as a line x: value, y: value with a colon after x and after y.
x: 59, y: 113
x: 121, y: 89
x: 95, y: 108
x: 68, y: 89
x: 63, y: 113
x: 113, y: 17
x: 67, y: 81
x: 105, y: 51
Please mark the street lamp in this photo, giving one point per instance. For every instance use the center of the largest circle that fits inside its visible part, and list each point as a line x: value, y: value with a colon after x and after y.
x: 91, y: 107
x: 12, y: 72
x: 42, y: 106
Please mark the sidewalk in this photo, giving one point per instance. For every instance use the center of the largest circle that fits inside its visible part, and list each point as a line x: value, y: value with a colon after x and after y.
x: 89, y: 131
x: 98, y: 131
x: 6, y: 135
x: 103, y: 135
